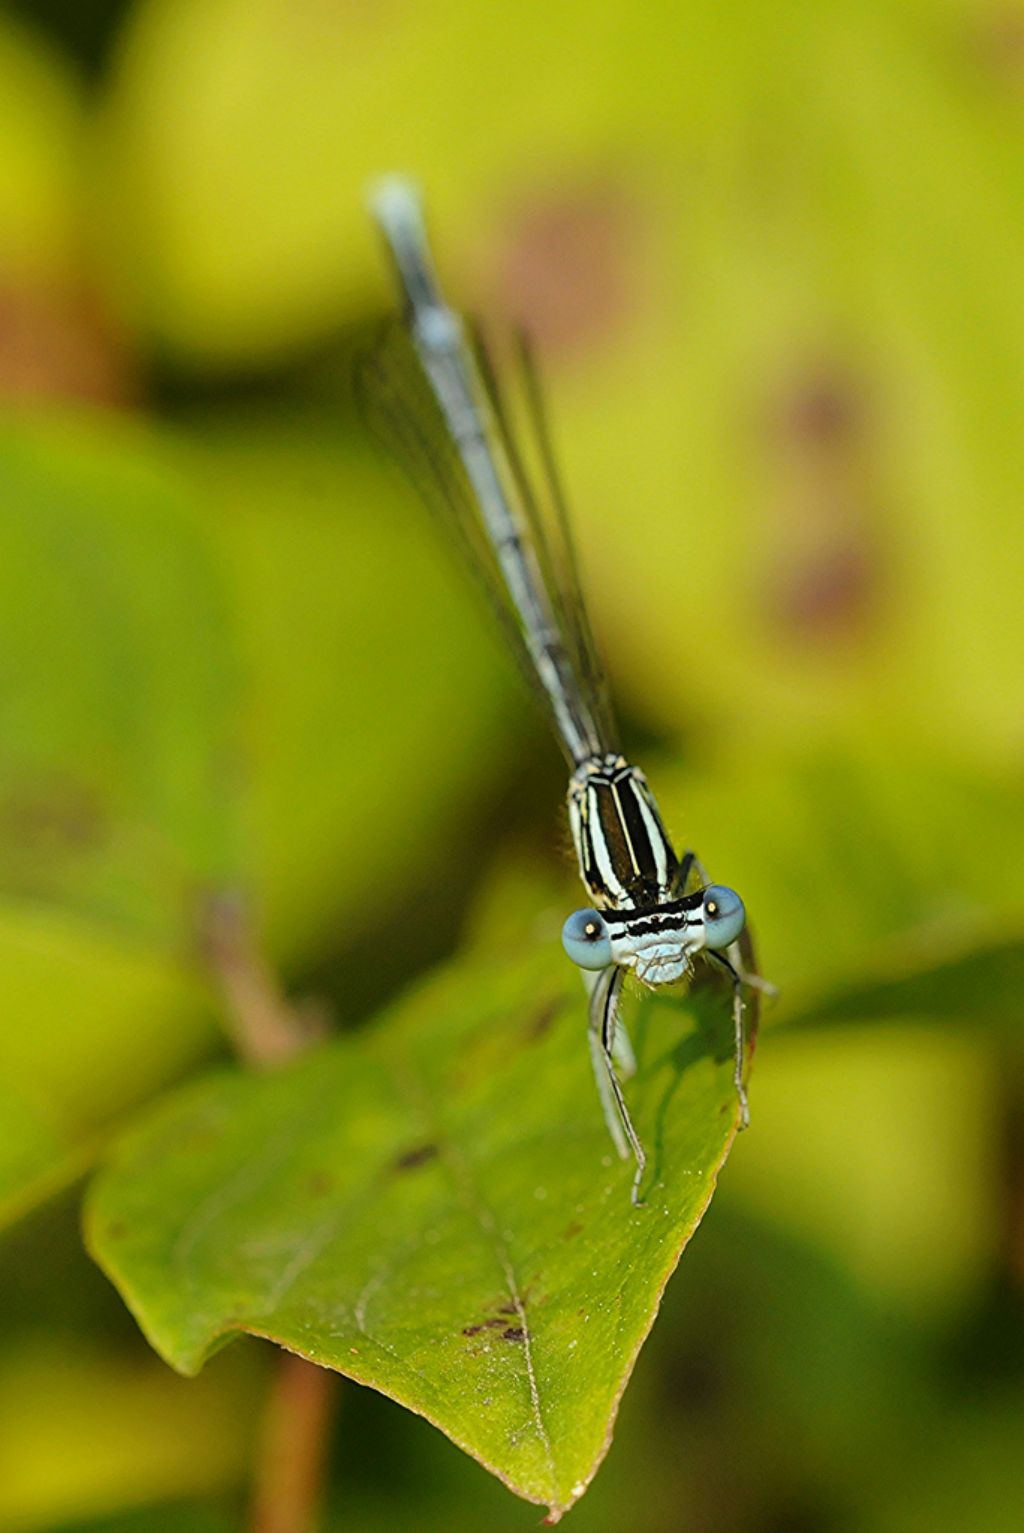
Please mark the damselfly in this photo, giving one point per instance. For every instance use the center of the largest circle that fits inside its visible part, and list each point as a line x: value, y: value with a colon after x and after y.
x: 653, y: 913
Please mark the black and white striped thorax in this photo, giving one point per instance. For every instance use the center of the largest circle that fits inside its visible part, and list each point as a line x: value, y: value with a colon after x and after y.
x: 626, y: 859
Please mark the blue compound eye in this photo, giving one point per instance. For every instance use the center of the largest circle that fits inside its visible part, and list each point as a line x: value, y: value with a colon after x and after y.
x: 586, y: 939
x: 724, y: 916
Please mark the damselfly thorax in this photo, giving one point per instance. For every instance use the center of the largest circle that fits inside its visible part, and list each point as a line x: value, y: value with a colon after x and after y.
x: 626, y: 859
x: 637, y: 883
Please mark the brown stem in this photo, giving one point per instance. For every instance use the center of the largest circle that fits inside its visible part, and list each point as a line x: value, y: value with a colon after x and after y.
x: 293, y: 1448
x: 265, y: 1031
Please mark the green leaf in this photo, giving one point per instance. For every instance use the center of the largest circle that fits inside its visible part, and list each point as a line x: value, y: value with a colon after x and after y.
x: 89, y: 1431
x: 91, y: 1025
x: 864, y: 865
x: 980, y: 987
x: 433, y: 1207
x: 41, y: 129
x: 117, y: 720
x: 192, y: 698
x: 36, y: 1155
x: 116, y: 682
x: 337, y: 575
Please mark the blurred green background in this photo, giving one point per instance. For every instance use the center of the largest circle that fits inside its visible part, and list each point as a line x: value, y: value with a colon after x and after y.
x: 772, y: 258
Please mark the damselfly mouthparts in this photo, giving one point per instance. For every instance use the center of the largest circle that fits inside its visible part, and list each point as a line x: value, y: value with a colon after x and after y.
x: 653, y: 913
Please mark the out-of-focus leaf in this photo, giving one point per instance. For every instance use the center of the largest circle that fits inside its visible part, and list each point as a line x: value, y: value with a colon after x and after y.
x: 56, y: 341
x: 374, y: 705
x: 116, y: 684
x: 241, y: 221
x: 91, y: 1025
x: 433, y: 1207
x: 862, y: 863
x: 35, y: 1152
x: 83, y: 1433
x: 981, y: 988
x: 818, y: 413
x: 41, y: 121
x: 961, y: 1472
x: 117, y: 791
x: 219, y: 1515
x: 156, y: 749
x: 878, y: 1146
x: 746, y: 262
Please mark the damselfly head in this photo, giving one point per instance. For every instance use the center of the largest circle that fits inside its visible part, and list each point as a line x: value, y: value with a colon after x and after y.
x: 658, y: 943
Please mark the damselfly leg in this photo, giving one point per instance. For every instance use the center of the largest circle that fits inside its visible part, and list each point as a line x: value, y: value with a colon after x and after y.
x: 606, y: 1035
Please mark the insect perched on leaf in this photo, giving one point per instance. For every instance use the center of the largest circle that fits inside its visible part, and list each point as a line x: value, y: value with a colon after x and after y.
x: 652, y: 913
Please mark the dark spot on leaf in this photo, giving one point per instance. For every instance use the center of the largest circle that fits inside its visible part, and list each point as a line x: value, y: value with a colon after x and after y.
x: 995, y: 42
x: 52, y: 817
x: 320, y: 1183
x: 55, y: 345
x: 416, y: 1157
x: 513, y: 1333
x: 568, y: 264
x: 695, y: 1381
x: 485, y: 1325
x: 829, y: 591
x: 823, y: 578
x: 508, y: 1309
x: 117, y: 1230
x: 571, y: 1230
x: 824, y: 410
x: 541, y: 1022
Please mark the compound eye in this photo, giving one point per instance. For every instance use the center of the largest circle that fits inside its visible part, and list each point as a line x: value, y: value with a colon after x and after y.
x: 586, y: 939
x: 724, y: 916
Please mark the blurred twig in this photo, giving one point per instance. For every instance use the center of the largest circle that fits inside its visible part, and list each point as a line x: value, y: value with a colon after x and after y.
x: 293, y: 1448
x: 266, y: 1030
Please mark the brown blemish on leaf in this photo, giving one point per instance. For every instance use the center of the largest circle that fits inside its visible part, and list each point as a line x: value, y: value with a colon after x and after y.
x: 417, y: 1156
x: 572, y: 1230
x: 829, y: 591
x: 51, y: 817
x: 58, y: 344
x: 514, y: 1333
x: 824, y: 410
x: 485, y: 1325
x: 320, y: 1183
x: 995, y: 42
x: 823, y: 567
x: 566, y: 267
x: 541, y: 1022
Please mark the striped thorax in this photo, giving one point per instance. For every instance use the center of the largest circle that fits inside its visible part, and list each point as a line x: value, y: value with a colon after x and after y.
x: 645, y: 919
x: 626, y: 859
